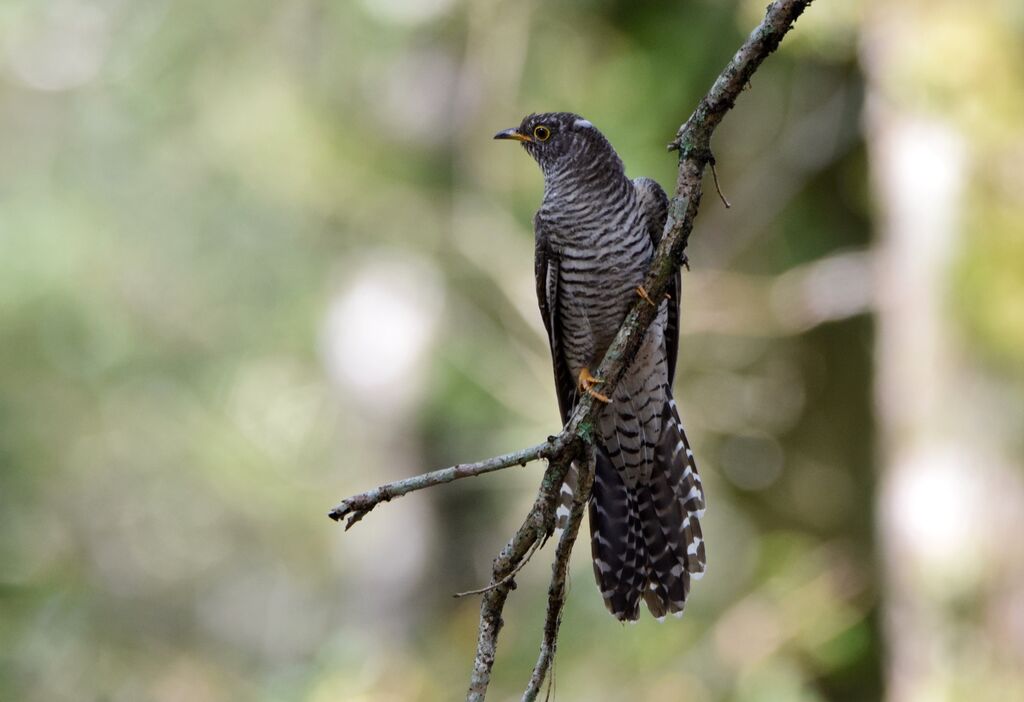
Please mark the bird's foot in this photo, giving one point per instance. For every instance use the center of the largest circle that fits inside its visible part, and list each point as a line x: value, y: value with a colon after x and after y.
x: 587, y: 383
x: 642, y: 292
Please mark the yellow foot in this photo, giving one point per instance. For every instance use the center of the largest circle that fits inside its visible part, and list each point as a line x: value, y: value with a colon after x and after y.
x: 587, y: 383
x: 642, y: 292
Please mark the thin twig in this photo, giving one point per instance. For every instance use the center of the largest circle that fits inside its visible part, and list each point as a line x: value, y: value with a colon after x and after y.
x: 358, y: 506
x: 538, y: 525
x: 560, y: 571
x: 718, y: 188
x: 526, y: 559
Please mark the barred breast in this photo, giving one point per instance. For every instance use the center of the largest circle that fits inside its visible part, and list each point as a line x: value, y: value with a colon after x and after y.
x: 599, y: 237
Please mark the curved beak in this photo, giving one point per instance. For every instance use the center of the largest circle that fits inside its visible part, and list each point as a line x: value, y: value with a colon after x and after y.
x: 512, y: 133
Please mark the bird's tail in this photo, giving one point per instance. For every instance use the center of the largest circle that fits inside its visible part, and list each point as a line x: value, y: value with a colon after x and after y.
x: 646, y: 541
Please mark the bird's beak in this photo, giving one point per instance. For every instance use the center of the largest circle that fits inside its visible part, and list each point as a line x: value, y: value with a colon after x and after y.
x: 512, y: 133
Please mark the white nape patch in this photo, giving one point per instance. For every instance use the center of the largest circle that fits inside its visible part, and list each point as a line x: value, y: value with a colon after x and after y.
x: 583, y: 124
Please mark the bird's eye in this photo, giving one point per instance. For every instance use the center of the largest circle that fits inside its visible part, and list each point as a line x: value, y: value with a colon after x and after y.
x: 541, y: 133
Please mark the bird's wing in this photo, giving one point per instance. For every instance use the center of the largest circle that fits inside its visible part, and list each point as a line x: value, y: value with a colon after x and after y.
x: 546, y: 270
x: 654, y: 202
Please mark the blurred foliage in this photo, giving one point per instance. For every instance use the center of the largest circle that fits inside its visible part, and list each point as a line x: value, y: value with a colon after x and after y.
x: 255, y: 256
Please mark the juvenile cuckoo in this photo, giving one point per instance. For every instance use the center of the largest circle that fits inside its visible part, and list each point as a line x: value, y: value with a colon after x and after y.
x: 596, y: 232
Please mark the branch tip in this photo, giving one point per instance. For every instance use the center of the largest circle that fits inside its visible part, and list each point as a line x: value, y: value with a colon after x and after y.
x: 718, y: 188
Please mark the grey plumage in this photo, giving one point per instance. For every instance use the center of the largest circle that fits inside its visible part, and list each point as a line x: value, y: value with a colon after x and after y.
x: 596, y: 232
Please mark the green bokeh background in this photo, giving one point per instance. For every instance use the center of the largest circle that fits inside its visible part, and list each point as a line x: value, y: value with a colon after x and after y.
x: 256, y: 256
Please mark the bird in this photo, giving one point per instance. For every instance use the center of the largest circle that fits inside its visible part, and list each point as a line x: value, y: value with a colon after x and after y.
x: 596, y: 232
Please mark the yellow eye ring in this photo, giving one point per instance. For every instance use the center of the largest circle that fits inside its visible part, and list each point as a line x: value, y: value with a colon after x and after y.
x: 541, y: 133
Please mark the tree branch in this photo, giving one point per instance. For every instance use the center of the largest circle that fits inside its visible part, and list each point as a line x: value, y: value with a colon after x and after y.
x: 560, y: 572
x: 537, y: 526
x: 693, y: 141
x: 358, y: 506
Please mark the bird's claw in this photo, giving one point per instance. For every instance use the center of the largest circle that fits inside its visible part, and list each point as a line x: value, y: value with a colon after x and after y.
x: 642, y: 292
x: 587, y: 383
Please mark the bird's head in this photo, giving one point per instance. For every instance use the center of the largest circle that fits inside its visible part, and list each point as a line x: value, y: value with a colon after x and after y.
x: 561, y: 138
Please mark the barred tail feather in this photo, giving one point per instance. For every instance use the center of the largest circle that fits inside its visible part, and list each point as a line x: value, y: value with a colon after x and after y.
x: 668, y: 582
x: 672, y: 522
x: 689, y: 490
x: 647, y: 541
x: 566, y: 496
x: 616, y: 542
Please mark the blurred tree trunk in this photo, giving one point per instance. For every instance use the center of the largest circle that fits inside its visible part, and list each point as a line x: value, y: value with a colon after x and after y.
x: 950, y: 496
